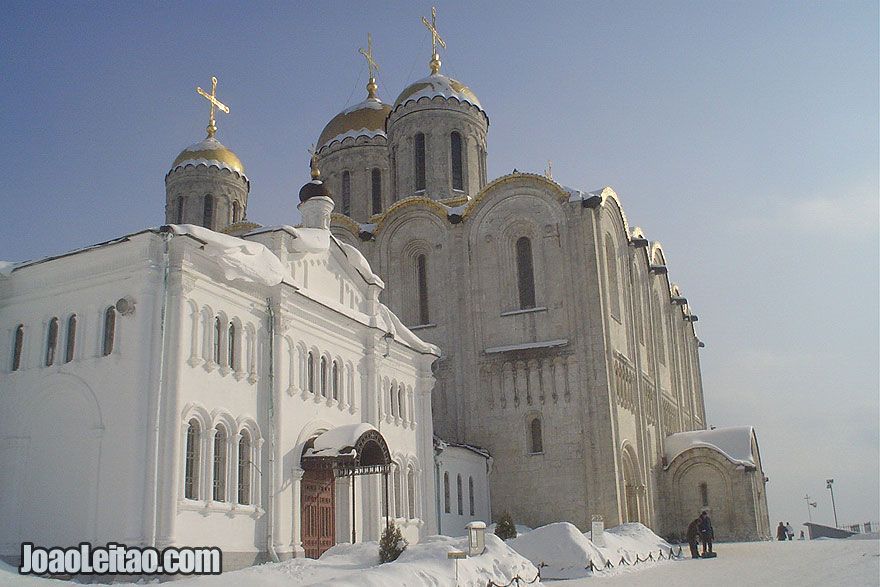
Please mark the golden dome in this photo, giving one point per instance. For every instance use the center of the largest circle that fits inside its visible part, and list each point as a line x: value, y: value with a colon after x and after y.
x: 209, y: 152
x: 438, y: 84
x: 364, y: 119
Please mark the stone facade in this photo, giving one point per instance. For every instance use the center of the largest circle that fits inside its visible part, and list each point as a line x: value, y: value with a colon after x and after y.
x: 567, y: 351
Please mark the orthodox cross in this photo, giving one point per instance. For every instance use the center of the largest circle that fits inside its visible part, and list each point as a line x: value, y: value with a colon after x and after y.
x: 435, y: 38
x: 371, y: 85
x: 549, y: 171
x: 212, y: 128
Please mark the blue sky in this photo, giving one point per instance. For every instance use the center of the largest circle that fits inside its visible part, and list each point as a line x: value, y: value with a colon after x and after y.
x: 742, y: 135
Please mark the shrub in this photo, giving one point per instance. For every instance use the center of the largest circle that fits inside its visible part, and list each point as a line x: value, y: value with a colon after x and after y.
x: 392, y: 543
x: 505, y: 529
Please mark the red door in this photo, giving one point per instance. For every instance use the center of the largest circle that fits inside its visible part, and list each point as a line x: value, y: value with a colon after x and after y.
x: 318, y: 512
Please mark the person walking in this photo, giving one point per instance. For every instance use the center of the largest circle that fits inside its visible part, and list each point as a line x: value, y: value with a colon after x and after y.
x: 707, y: 534
x: 789, y: 530
x: 693, y: 537
x: 780, y: 532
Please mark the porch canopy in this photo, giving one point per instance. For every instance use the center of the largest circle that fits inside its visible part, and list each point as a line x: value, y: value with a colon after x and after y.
x: 353, y: 449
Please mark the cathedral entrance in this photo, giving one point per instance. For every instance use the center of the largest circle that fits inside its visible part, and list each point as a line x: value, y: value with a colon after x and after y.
x: 632, y: 487
x: 318, y: 499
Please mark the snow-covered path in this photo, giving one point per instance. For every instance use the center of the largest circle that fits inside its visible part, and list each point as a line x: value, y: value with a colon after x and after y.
x: 815, y: 562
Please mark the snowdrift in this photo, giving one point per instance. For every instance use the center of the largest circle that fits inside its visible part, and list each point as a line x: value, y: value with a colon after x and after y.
x: 561, y: 548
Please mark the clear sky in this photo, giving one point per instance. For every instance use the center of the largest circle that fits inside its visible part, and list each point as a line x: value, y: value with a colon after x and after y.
x: 742, y: 135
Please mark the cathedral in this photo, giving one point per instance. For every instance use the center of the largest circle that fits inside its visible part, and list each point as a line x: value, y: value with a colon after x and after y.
x: 430, y: 346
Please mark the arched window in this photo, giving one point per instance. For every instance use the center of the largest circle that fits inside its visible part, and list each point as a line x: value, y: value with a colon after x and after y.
x: 704, y: 494
x: 220, y: 464
x: 393, y: 404
x: 230, y: 346
x: 310, y: 372
x: 411, y: 491
x: 446, y: 492
x: 377, y: 190
x: 422, y: 267
x: 179, y: 209
x: 208, y: 212
x: 420, y: 161
x: 455, y: 150
x: 537, y: 442
x: 471, y: 493
x: 334, y: 378
x: 458, y: 487
x: 346, y: 193
x: 398, y: 497
x: 218, y: 333
x: 109, y: 330
x: 613, y: 283
x: 244, y: 468
x: 236, y: 211
x: 17, y: 346
x: 51, y: 341
x: 401, y: 401
x: 525, y: 273
x: 191, y: 465
x: 324, y: 376
x: 71, y: 339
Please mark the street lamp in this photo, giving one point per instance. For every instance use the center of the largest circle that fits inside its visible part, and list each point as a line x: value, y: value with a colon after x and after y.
x: 810, y: 504
x: 828, y: 485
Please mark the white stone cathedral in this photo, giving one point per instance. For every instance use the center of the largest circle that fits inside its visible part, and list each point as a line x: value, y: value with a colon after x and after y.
x: 567, y: 351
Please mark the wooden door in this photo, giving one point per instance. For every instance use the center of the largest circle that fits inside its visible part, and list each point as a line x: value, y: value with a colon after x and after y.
x: 318, y: 512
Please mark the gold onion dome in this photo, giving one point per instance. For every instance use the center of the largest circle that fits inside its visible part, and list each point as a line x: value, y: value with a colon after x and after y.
x: 435, y: 85
x: 364, y: 119
x: 210, y: 153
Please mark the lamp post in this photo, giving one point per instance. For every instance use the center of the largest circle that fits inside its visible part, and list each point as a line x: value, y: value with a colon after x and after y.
x: 810, y: 504
x: 829, y: 485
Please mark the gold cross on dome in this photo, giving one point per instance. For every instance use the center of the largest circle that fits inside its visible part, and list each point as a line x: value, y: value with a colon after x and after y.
x: 369, y: 55
x: 549, y: 171
x: 435, y: 38
x: 212, y: 128
x: 313, y: 162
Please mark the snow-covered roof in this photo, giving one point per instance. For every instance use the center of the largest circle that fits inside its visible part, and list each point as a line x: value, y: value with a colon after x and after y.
x: 238, y: 259
x: 735, y: 443
x: 339, y: 441
x: 527, y: 346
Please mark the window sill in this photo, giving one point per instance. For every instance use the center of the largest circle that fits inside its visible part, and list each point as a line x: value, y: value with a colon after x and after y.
x: 525, y: 311
x: 534, y: 454
x: 219, y: 507
x: 421, y: 326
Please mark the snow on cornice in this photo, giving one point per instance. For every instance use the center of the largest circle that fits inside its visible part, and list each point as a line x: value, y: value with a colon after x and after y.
x: 354, y: 134
x: 209, y: 163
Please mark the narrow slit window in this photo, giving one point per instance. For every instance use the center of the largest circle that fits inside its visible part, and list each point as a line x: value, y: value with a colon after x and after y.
x: 704, y: 494
x: 537, y: 442
x: 17, y: 347
x: 191, y: 468
x: 218, y: 335
x: 208, y: 212
x: 71, y: 339
x: 230, y: 346
x: 377, y: 190
x: 420, y: 161
x: 109, y: 330
x: 324, y: 376
x: 335, y: 380
x: 51, y: 341
x: 346, y: 193
x: 398, y: 497
x: 422, y: 267
x: 446, y: 508
x: 179, y: 209
x: 244, y: 468
x: 401, y: 400
x: 455, y: 151
x: 219, y: 493
x: 310, y: 372
x: 236, y: 212
x: 458, y: 487
x: 525, y: 273
x: 411, y: 491
x: 471, y: 494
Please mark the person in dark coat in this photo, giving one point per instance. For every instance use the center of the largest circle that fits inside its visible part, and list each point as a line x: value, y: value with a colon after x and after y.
x: 781, y: 531
x: 693, y: 537
x: 707, y: 534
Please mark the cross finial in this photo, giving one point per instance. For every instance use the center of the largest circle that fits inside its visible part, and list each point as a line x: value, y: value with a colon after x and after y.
x: 313, y: 163
x: 435, y: 38
x: 549, y: 171
x: 371, y: 85
x: 212, y: 128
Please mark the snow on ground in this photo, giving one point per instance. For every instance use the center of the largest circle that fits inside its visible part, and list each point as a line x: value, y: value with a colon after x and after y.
x: 852, y: 562
x: 803, y: 563
x: 559, y: 549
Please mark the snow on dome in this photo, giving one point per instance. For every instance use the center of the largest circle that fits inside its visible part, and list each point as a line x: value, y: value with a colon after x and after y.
x: 238, y: 258
x: 735, y: 443
x: 211, y: 153
x: 366, y: 118
x: 435, y: 85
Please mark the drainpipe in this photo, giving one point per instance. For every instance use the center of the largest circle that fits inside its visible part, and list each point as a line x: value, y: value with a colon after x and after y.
x: 274, y: 459
x: 437, y: 491
x: 156, y: 437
